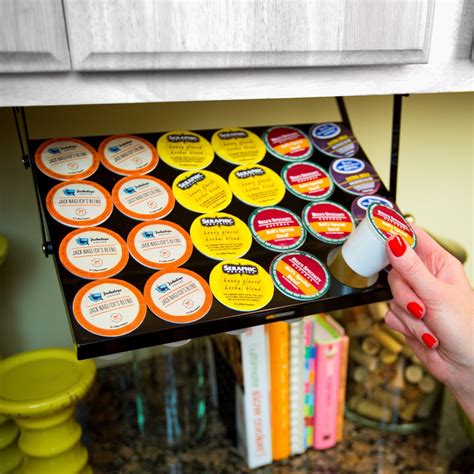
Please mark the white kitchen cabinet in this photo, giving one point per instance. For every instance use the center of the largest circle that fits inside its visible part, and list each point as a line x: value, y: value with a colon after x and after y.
x: 449, y: 67
x: 199, y: 34
x: 33, y: 36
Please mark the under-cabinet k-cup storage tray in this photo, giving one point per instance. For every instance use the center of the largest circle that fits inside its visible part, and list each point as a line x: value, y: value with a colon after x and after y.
x: 117, y: 301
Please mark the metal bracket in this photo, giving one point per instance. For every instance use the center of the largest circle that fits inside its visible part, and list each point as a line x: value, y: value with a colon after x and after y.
x: 396, y: 121
x: 21, y: 124
x: 343, y: 111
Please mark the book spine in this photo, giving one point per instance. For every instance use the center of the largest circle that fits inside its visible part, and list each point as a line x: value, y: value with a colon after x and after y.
x: 342, y: 387
x: 278, y: 338
x: 326, y: 394
x: 309, y: 381
x: 257, y: 424
x: 343, y: 372
x: 297, y: 387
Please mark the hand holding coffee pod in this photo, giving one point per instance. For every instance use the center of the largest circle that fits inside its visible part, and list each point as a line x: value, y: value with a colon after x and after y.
x: 432, y: 307
x: 363, y: 255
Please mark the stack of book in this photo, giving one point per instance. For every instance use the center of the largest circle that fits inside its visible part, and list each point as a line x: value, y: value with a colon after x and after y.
x: 288, y: 387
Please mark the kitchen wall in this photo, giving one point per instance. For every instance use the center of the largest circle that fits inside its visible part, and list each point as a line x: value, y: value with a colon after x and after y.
x: 435, y: 180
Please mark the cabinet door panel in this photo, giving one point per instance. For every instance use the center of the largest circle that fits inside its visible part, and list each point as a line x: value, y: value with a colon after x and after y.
x: 33, y: 36
x: 160, y: 34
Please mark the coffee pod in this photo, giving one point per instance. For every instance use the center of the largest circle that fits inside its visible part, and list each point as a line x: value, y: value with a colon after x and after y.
x: 363, y: 255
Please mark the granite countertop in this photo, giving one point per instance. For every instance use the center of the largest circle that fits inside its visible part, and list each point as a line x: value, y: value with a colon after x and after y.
x: 115, y: 446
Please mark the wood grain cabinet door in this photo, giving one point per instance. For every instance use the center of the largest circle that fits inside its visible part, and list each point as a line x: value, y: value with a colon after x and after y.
x: 33, y: 36
x: 197, y: 34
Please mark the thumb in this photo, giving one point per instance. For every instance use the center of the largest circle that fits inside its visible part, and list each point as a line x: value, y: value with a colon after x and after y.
x: 409, y: 265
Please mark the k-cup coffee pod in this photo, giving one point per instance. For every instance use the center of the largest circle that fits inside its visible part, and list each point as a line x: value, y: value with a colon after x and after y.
x: 202, y: 191
x: 277, y: 229
x: 355, y: 176
x: 159, y: 244
x: 256, y: 185
x: 334, y: 139
x: 360, y: 205
x: 220, y: 236
x: 79, y: 203
x: 328, y: 221
x: 143, y: 197
x: 185, y: 150
x: 241, y: 284
x: 66, y: 159
x: 178, y: 295
x: 364, y: 252
x: 307, y: 181
x: 288, y: 143
x: 127, y: 155
x: 300, y: 276
x: 343, y: 273
x: 109, y: 307
x: 238, y: 146
x: 93, y: 253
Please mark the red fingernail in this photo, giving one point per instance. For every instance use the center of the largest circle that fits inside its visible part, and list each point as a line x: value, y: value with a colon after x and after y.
x: 415, y: 309
x: 429, y: 340
x: 397, y: 246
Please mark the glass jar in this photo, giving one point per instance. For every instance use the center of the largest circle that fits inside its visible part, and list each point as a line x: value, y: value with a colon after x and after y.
x: 387, y: 386
x: 172, y: 386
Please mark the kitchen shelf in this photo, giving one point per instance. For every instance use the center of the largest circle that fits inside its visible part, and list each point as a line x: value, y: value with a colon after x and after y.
x: 154, y: 331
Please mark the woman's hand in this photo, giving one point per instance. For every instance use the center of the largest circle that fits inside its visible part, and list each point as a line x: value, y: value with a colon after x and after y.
x: 433, y: 307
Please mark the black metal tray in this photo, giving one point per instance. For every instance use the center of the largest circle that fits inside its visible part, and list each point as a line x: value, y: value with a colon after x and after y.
x: 155, y: 331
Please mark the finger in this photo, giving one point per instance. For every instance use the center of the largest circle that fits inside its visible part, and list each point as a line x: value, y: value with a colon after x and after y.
x: 405, y: 296
x: 437, y: 258
x: 417, y: 328
x: 409, y: 265
x: 426, y: 246
x: 419, y: 348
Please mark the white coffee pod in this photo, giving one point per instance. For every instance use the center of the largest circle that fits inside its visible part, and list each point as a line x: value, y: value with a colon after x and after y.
x: 364, y: 251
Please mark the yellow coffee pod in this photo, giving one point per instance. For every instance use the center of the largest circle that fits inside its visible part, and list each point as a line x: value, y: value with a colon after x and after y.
x: 202, y: 191
x: 238, y: 146
x: 220, y: 236
x: 257, y: 185
x: 241, y: 284
x: 185, y: 150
